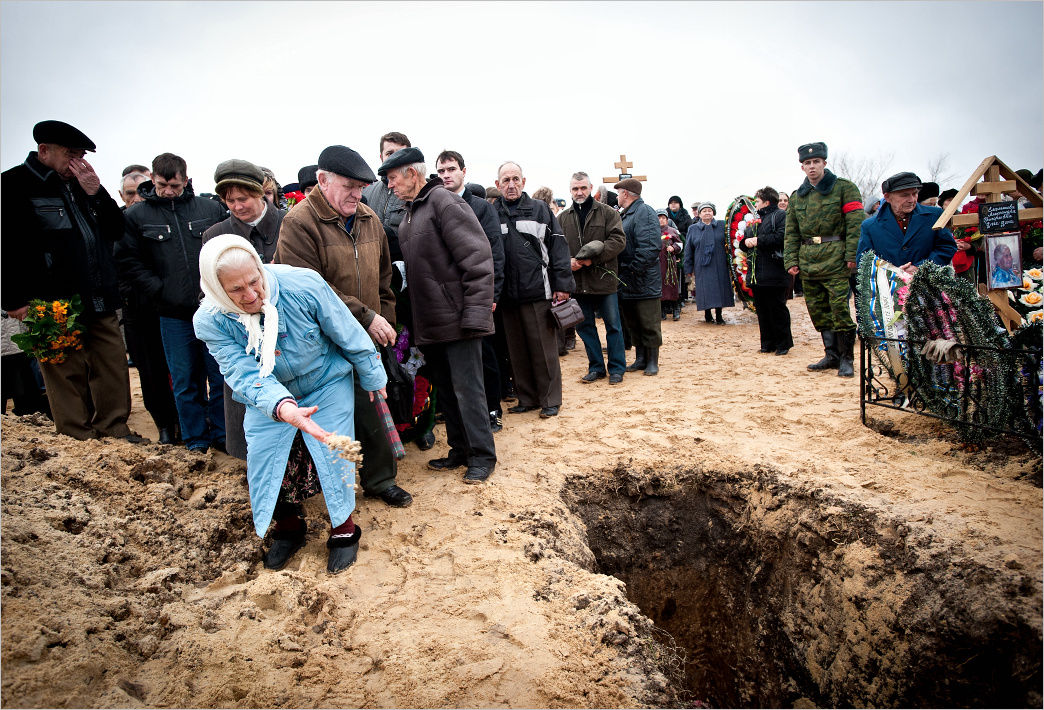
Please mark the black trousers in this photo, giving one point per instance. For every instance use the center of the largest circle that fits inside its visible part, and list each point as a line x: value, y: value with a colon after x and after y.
x: 457, y: 369
x: 141, y: 329
x: 491, y: 372
x: 379, y: 468
x: 641, y: 321
x: 770, y: 302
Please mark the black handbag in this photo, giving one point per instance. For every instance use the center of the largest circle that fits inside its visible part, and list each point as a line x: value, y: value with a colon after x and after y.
x: 399, y: 388
x: 565, y: 314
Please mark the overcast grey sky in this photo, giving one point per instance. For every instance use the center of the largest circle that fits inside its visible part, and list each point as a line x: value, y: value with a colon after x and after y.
x: 709, y: 100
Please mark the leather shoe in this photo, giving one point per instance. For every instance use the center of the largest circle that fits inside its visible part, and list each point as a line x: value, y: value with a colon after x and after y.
x: 478, y: 474
x: 393, y: 496
x: 548, y: 412
x: 766, y: 350
x: 784, y: 351
x: 592, y: 376
x: 495, y: 422
x: 284, y: 545
x: 615, y: 379
x: 166, y: 436
x: 427, y: 441
x: 343, y: 552
x: 446, y: 464
x: 509, y: 396
x: 522, y: 409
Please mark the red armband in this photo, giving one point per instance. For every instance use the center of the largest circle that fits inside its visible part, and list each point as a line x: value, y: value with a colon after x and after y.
x: 851, y: 207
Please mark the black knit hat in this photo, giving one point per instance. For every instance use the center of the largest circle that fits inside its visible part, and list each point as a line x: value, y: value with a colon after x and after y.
x: 675, y: 198
x: 928, y: 190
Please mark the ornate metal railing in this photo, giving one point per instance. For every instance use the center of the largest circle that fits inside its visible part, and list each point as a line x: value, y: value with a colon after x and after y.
x: 960, y: 403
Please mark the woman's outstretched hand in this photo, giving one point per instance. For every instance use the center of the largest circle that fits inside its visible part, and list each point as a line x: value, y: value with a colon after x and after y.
x: 301, y: 418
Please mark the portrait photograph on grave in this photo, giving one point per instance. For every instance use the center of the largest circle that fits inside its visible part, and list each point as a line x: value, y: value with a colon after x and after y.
x: 1003, y: 257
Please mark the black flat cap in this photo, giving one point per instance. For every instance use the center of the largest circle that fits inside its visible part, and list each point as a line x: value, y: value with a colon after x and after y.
x: 812, y: 150
x: 345, y: 162
x: 306, y: 176
x: 239, y: 172
x: 62, y: 134
x: 406, y: 156
x: 901, y: 181
x: 928, y: 190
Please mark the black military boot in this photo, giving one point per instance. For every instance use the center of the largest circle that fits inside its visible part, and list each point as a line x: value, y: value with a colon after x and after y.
x: 846, y: 345
x: 653, y: 361
x: 640, y: 359
x: 832, y: 359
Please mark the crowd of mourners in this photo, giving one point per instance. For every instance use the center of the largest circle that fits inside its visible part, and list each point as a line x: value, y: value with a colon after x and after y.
x: 266, y: 317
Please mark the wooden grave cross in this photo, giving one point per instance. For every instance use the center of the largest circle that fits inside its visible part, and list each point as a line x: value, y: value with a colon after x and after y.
x: 623, y: 165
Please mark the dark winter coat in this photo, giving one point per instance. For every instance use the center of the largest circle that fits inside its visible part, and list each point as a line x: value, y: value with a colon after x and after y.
x: 602, y: 224
x: 58, y: 240
x: 262, y: 236
x: 487, y: 217
x: 682, y: 221
x: 708, y: 261
x: 449, y: 267
x: 882, y: 234
x: 158, y: 256
x: 536, y: 259
x: 766, y: 268
x: 640, y: 258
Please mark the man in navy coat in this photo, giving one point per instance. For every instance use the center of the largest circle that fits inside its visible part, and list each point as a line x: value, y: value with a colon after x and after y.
x: 901, y: 231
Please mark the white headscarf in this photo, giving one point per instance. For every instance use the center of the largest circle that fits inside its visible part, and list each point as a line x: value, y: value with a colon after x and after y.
x: 262, y: 340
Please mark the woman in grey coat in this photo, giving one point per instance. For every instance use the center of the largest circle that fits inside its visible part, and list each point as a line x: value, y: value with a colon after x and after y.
x: 707, y: 260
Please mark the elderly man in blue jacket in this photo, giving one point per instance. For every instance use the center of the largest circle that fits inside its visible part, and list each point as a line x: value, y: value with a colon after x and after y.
x: 901, y: 230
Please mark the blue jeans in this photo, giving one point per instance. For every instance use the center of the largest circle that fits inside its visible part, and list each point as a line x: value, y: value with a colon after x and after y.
x: 191, y: 368
x: 610, y: 310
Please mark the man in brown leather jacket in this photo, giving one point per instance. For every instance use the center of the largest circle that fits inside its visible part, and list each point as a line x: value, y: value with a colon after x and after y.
x: 333, y: 233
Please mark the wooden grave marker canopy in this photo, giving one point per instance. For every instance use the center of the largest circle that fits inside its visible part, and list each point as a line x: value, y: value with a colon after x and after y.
x: 991, y: 170
x: 623, y: 166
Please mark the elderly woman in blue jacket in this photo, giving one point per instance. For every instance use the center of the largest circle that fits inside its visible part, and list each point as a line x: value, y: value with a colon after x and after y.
x: 288, y: 348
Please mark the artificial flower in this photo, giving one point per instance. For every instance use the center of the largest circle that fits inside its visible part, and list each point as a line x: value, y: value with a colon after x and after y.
x: 1033, y: 298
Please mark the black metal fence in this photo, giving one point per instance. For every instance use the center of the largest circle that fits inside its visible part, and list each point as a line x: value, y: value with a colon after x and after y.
x: 961, y: 402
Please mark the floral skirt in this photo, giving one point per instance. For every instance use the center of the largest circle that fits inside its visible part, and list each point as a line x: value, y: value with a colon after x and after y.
x: 301, y: 480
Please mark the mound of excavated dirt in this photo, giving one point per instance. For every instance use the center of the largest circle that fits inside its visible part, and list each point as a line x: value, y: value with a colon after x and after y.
x: 795, y: 556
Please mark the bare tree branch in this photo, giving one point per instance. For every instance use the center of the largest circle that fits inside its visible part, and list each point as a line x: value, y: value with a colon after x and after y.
x: 939, y: 171
x: 866, y: 173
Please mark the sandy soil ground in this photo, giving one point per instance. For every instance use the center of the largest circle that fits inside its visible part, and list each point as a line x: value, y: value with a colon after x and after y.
x: 131, y: 574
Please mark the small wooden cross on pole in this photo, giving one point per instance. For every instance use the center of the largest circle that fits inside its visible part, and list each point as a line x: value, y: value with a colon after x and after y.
x: 622, y: 166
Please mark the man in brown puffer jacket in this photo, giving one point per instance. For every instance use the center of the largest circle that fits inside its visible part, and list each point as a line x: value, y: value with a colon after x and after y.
x: 333, y: 233
x: 449, y: 268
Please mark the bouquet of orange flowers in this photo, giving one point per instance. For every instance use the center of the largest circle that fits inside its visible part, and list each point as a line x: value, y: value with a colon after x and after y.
x: 51, y: 330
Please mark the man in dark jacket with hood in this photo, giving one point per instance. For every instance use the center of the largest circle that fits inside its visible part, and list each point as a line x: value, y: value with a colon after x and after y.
x: 640, y: 274
x: 59, y: 226
x: 449, y: 269
x: 536, y: 272
x: 159, y: 260
x: 595, y: 236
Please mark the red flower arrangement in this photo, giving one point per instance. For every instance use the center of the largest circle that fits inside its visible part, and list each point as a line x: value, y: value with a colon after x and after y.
x: 740, y: 213
x: 293, y: 198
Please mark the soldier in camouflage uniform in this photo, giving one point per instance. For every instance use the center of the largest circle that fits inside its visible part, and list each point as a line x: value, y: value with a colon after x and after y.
x: 823, y: 222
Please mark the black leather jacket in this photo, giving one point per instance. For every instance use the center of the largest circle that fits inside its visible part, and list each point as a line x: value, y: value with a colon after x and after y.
x: 158, y: 257
x: 57, y: 240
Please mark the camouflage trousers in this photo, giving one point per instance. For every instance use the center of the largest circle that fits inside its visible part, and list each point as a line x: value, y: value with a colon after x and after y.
x: 827, y: 303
